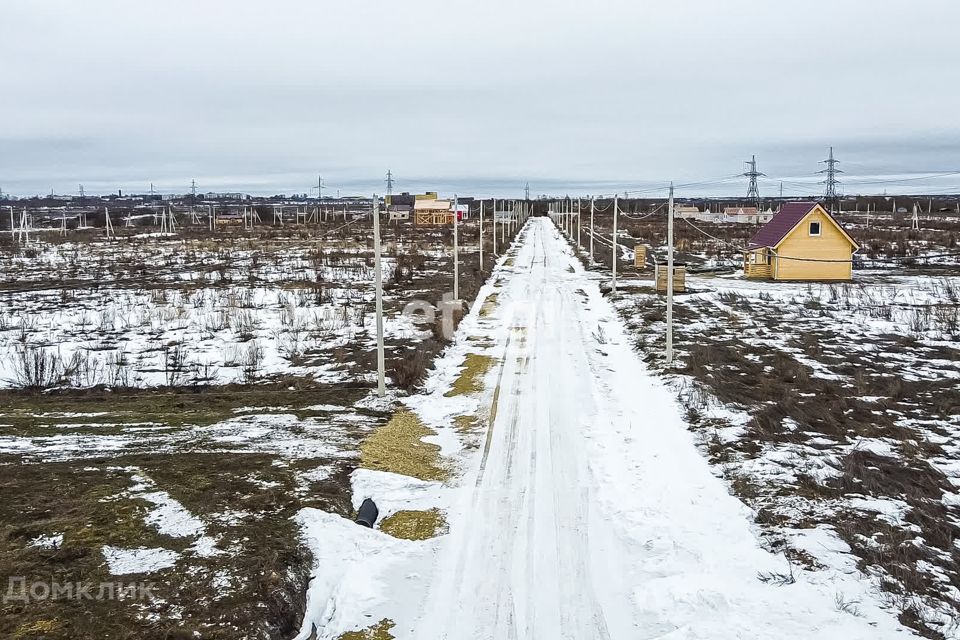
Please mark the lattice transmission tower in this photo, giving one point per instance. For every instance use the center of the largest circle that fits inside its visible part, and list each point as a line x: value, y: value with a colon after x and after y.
x: 753, y: 191
x: 830, y: 192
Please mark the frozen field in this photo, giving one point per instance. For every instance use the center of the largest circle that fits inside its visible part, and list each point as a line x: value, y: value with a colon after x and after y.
x: 168, y: 404
x: 833, y: 411
x: 545, y: 476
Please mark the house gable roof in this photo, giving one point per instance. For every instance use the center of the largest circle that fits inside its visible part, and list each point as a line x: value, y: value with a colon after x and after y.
x: 786, y: 220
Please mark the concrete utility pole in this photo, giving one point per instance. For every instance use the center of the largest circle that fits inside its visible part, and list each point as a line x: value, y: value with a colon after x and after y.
x: 592, y: 207
x: 615, y: 205
x: 481, y: 235
x: 494, y: 227
x: 456, y: 248
x: 579, y: 226
x: 378, y: 282
x: 25, y: 226
x: 109, y: 225
x: 668, y: 352
x: 503, y: 232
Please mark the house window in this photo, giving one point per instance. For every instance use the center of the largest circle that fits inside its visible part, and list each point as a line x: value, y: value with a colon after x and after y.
x: 814, y: 228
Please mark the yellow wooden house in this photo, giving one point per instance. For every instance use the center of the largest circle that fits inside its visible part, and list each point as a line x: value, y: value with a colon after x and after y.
x: 801, y: 242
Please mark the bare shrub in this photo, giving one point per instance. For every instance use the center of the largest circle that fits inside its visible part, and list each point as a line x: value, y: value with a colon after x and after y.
x: 83, y: 370
x: 36, y: 368
x: 174, y: 361
x: 118, y: 369
x: 408, y: 371
x: 252, y: 362
x: 244, y: 324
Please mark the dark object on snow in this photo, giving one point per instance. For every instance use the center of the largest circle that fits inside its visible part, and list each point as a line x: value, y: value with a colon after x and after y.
x: 367, y: 514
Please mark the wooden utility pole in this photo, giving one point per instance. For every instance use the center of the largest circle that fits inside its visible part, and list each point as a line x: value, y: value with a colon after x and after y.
x: 668, y: 352
x: 378, y: 282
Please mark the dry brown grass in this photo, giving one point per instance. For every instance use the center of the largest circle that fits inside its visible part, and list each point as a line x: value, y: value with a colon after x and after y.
x: 398, y: 447
x: 475, y: 367
x: 415, y: 525
x: 379, y: 631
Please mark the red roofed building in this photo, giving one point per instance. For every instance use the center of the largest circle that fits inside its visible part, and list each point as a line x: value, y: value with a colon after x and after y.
x: 801, y: 242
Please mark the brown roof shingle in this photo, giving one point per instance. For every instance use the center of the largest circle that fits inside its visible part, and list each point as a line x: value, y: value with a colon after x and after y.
x: 773, y: 232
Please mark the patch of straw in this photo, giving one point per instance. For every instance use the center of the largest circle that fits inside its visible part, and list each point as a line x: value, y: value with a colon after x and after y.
x: 398, y: 447
x: 415, y: 525
x: 475, y: 366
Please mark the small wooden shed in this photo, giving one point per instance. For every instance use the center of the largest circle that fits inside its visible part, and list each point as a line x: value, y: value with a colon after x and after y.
x: 640, y: 257
x: 679, y: 276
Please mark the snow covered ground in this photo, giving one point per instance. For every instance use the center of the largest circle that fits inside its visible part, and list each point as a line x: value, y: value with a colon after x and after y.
x: 585, y: 510
x: 212, y: 310
x: 829, y: 407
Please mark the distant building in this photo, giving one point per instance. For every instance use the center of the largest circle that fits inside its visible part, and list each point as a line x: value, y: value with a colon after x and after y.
x: 801, y: 242
x: 399, y: 212
x: 404, y: 199
x: 741, y: 215
x: 729, y: 215
x: 224, y: 196
x: 432, y: 211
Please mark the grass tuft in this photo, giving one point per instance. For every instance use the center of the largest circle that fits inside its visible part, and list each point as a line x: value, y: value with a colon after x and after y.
x: 415, y: 525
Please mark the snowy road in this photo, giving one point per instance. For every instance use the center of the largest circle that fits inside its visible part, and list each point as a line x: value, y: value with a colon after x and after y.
x: 588, y: 512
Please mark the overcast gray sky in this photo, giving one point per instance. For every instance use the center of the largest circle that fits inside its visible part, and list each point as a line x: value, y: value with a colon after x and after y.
x: 478, y: 96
